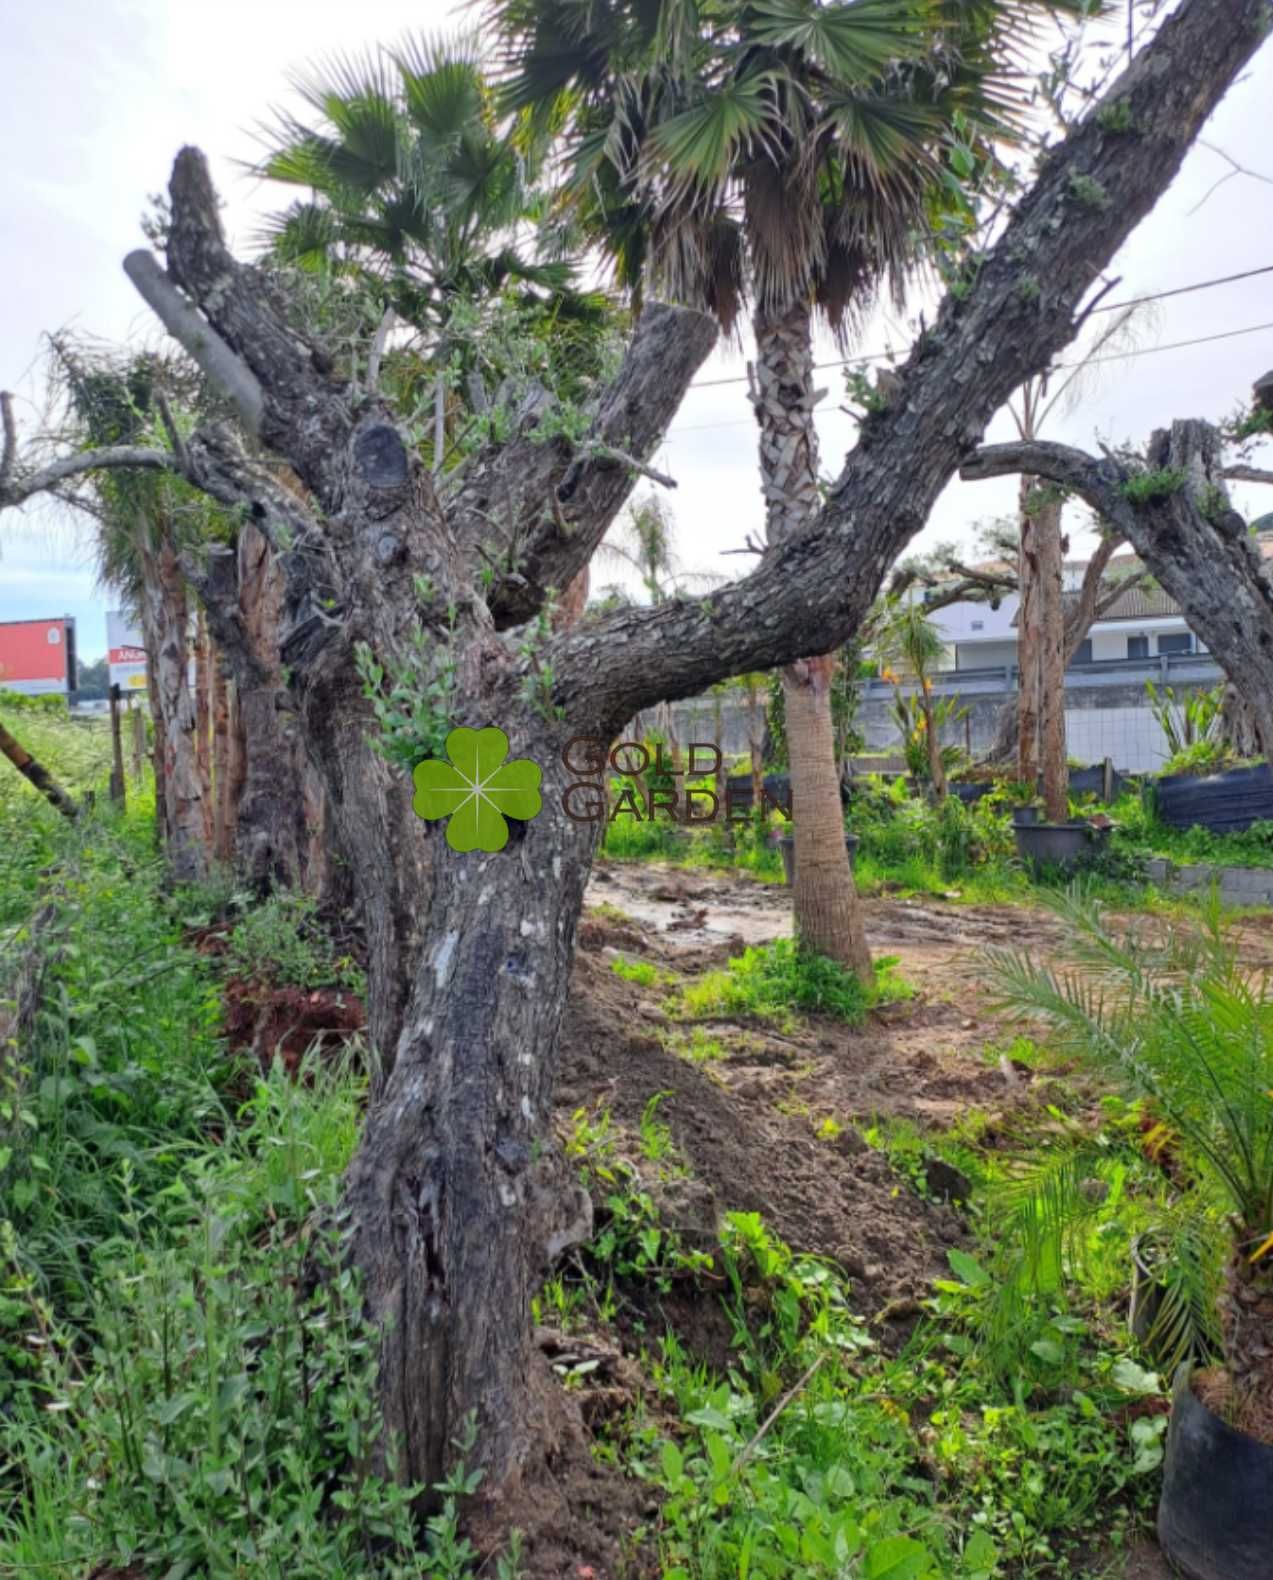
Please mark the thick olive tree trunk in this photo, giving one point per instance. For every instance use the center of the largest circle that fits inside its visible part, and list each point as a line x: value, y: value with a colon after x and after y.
x: 449, y: 1188
x: 828, y: 912
x: 276, y: 795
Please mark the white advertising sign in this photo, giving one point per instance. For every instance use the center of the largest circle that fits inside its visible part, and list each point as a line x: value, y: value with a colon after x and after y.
x: 126, y: 653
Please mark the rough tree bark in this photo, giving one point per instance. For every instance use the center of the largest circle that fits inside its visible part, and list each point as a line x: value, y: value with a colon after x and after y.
x: 469, y: 953
x: 203, y: 719
x: 1186, y: 532
x: 1029, y: 643
x: 1094, y: 599
x: 827, y: 910
x: 166, y: 622
x: 1047, y: 537
x: 222, y: 792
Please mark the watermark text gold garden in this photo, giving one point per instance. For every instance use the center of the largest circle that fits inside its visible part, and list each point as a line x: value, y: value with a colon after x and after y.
x: 650, y: 783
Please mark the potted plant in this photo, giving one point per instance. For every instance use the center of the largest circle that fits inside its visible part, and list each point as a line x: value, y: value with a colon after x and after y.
x: 1189, y: 1028
x: 787, y: 845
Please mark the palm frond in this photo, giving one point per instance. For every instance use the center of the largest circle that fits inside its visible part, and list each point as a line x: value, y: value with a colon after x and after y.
x: 851, y: 43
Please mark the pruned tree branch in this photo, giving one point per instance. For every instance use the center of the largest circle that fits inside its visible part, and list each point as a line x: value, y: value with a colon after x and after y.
x: 1175, y: 511
x: 555, y: 501
x: 193, y: 334
x: 16, y: 488
x: 1248, y: 474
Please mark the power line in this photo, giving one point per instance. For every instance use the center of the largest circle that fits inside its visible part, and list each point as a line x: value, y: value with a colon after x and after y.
x: 1116, y: 356
x: 1108, y: 307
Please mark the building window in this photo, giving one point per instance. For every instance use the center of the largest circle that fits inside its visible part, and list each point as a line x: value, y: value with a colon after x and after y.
x: 1138, y: 647
x: 1176, y: 643
x: 1083, y: 652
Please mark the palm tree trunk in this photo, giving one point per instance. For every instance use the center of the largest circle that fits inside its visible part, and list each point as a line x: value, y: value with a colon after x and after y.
x: 936, y: 768
x: 182, y: 787
x: 150, y: 635
x: 1029, y: 641
x: 1246, y: 1319
x: 222, y: 807
x: 1051, y: 661
x: 203, y: 718
x: 36, y: 774
x: 828, y: 913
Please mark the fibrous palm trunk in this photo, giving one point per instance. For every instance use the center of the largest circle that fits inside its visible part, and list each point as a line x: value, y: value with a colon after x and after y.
x: 828, y: 913
x: 203, y: 718
x: 1246, y: 1319
x: 223, y: 805
x: 932, y: 739
x: 1029, y: 643
x: 1047, y: 526
x: 166, y: 622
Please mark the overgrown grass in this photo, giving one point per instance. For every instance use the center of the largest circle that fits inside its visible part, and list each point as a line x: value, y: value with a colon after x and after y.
x: 775, y: 980
x: 78, y: 754
x: 187, y: 1383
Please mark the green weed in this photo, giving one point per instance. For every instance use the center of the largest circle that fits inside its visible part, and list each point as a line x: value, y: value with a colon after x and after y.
x: 772, y: 982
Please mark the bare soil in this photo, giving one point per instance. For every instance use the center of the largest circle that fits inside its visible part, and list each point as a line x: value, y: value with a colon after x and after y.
x: 749, y: 1127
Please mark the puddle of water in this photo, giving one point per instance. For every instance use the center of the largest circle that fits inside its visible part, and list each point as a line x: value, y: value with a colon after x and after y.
x: 726, y: 917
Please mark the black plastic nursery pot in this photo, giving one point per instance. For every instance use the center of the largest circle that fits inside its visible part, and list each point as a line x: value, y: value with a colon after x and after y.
x: 1060, y: 845
x: 971, y: 790
x: 1025, y: 814
x: 1215, y: 1516
x: 787, y: 844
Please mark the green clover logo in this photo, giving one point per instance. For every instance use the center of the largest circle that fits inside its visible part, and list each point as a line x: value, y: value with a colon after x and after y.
x: 476, y: 789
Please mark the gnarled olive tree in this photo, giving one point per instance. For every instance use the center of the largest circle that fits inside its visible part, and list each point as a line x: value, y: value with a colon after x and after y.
x: 447, y: 579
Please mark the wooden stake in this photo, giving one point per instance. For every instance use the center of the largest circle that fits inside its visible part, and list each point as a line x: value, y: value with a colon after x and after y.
x: 117, y: 750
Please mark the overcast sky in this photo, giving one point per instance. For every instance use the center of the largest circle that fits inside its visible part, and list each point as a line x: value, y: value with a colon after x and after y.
x: 99, y: 95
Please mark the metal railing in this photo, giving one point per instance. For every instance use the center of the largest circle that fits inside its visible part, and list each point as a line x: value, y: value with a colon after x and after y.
x: 1166, y: 668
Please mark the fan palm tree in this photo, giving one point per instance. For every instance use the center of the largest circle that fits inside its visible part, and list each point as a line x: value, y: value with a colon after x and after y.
x: 144, y: 521
x: 786, y: 157
x: 415, y: 188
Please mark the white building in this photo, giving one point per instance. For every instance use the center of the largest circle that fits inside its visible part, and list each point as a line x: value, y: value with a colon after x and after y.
x: 1145, y: 623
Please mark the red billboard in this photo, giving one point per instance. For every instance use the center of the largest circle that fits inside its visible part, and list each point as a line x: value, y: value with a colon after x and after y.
x: 37, y: 655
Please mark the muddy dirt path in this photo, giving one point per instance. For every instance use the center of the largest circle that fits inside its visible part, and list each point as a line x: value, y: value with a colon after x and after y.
x: 771, y: 1120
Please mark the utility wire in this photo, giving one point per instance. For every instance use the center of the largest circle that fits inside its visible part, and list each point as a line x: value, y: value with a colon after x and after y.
x: 1108, y: 307
x: 1117, y: 356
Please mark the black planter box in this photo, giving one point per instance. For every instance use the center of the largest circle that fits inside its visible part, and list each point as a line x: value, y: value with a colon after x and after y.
x: 1226, y: 803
